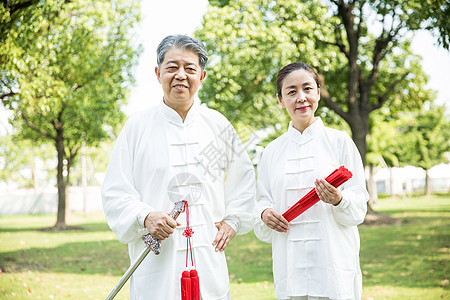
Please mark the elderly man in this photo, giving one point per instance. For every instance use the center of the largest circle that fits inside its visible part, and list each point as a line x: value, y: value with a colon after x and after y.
x: 179, y: 150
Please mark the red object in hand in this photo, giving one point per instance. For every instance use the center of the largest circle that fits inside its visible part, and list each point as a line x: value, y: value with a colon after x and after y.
x: 186, y: 293
x: 190, y: 283
x: 195, y: 285
x: 336, y: 178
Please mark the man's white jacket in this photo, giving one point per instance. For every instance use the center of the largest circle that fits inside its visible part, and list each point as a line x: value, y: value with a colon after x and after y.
x: 158, y: 159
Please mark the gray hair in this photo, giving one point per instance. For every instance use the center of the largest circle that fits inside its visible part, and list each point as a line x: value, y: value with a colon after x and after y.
x: 182, y: 42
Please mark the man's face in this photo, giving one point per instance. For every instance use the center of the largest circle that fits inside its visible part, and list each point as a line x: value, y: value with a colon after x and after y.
x: 180, y: 76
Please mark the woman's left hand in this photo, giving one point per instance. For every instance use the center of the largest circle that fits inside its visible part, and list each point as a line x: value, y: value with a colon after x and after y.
x: 327, y: 193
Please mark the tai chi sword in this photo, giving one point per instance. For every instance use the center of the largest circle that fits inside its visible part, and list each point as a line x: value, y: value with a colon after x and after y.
x: 152, y: 244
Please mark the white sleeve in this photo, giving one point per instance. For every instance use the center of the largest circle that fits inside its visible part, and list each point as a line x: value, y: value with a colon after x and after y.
x: 239, y: 186
x: 264, y: 200
x: 353, y: 207
x: 124, y: 211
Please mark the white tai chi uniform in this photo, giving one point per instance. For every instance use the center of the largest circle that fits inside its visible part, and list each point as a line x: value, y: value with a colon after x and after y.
x: 157, y: 159
x: 319, y: 255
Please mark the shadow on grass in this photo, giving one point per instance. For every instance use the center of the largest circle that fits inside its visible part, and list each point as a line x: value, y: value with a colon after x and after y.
x: 412, y: 254
x: 105, y: 257
x: 85, y: 227
x: 404, y: 218
x: 249, y: 259
x: 412, y: 211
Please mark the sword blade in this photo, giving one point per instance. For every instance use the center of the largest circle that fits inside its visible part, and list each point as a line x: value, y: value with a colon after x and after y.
x: 128, y: 274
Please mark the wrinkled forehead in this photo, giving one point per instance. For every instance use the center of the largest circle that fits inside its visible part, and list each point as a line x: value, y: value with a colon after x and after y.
x: 181, y: 56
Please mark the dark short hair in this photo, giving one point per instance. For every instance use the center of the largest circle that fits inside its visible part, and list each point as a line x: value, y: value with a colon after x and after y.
x: 286, y: 70
x: 183, y: 42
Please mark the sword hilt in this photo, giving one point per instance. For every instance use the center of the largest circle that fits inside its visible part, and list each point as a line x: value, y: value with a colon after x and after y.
x: 153, y: 243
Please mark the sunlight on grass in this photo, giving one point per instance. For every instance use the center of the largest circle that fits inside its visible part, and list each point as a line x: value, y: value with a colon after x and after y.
x: 404, y: 261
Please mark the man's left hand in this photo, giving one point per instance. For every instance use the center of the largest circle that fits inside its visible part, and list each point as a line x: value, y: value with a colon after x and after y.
x: 224, y: 235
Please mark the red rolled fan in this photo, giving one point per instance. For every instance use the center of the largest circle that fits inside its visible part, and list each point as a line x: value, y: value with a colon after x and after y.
x: 336, y: 178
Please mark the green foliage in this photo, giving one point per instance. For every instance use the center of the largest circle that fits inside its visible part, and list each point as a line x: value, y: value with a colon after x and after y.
x: 97, y: 159
x: 382, y: 141
x: 250, y: 40
x: 424, y: 137
x: 66, y: 72
x: 431, y: 15
x: 71, y: 65
x: 220, y: 3
x: 24, y: 164
x: 419, y: 137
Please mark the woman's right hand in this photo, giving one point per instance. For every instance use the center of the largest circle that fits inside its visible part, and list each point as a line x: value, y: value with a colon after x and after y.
x: 274, y: 220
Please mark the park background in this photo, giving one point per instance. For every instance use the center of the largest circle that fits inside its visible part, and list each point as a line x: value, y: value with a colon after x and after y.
x: 404, y: 255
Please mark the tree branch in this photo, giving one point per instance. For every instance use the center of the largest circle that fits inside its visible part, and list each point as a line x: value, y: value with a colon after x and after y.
x: 380, y: 50
x: 339, y: 42
x: 7, y: 95
x: 20, y: 5
x: 345, y: 11
x: 335, y: 2
x: 35, y: 128
x: 79, y: 11
x: 325, y: 95
x: 73, y: 151
x: 382, y: 99
x: 58, y: 123
x: 358, y: 31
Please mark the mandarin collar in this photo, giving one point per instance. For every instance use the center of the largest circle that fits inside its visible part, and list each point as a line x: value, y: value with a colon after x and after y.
x: 312, y: 130
x: 173, y: 117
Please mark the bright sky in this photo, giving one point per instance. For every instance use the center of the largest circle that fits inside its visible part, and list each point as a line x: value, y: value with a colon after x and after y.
x: 162, y: 18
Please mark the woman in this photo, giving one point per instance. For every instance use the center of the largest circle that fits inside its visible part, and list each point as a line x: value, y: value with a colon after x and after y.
x: 316, y: 255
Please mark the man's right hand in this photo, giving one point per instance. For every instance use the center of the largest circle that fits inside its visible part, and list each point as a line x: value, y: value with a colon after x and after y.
x: 160, y: 224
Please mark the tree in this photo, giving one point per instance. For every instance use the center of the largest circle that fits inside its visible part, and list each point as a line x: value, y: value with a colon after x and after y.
x: 382, y: 145
x: 429, y: 15
x: 361, y: 69
x: 66, y: 72
x: 18, y: 161
x: 424, y: 139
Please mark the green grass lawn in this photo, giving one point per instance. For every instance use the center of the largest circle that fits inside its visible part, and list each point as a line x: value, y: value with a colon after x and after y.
x: 403, y: 261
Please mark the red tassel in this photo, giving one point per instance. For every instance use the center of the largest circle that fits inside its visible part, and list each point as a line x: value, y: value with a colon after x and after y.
x: 195, y: 285
x: 186, y: 293
x: 190, y: 285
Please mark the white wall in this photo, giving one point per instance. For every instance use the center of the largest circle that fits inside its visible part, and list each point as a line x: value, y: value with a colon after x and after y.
x: 410, y: 179
x: 25, y: 201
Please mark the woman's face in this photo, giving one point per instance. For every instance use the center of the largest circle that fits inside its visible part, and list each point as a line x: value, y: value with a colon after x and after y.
x: 300, y: 96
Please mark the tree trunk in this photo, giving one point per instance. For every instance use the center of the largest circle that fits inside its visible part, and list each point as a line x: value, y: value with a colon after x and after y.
x: 67, y: 183
x: 372, y: 186
x: 84, y: 177
x: 427, y: 184
x: 391, y: 182
x: 359, y: 134
x: 61, y: 215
